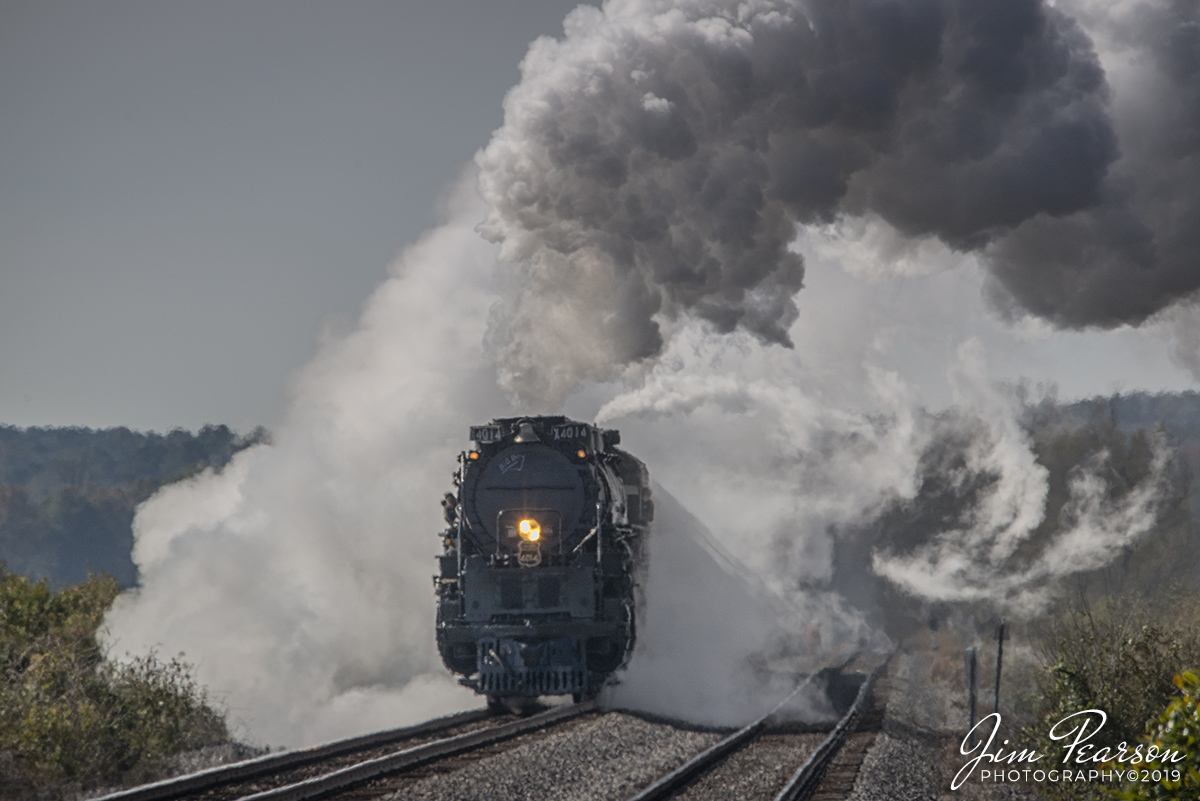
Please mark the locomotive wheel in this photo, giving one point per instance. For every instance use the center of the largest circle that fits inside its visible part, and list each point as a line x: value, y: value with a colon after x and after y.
x: 519, y: 705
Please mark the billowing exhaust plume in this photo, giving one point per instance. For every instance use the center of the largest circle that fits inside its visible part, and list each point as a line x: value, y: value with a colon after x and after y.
x: 668, y: 176
x: 1132, y: 249
x: 655, y: 162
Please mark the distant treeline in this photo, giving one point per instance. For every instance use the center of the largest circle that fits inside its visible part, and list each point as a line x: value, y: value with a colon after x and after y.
x: 68, y: 495
x: 1176, y: 414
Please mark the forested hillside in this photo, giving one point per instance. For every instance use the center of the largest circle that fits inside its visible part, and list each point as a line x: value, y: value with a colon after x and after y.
x: 67, y: 495
x: 1177, y: 414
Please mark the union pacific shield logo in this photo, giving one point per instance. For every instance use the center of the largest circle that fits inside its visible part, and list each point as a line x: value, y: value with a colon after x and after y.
x: 514, y: 462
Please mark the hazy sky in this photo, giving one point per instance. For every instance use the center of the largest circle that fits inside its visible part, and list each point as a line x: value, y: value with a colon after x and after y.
x: 190, y: 193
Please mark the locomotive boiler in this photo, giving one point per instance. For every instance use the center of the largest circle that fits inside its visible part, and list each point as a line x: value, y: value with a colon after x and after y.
x: 542, y: 550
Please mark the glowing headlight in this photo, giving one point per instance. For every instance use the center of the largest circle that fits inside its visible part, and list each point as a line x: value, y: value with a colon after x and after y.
x: 530, y: 530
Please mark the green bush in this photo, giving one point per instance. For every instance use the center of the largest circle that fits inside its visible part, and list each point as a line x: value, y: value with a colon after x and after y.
x: 71, y: 719
x: 1177, y: 729
x: 1122, y: 657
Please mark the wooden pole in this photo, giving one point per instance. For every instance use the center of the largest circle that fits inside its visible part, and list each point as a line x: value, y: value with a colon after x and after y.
x: 971, y: 658
x: 999, y: 659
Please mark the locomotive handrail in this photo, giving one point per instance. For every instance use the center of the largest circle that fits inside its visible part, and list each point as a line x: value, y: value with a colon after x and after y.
x: 528, y: 487
x: 588, y: 536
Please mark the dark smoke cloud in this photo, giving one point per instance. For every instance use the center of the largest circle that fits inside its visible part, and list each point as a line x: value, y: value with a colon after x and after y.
x: 656, y: 161
x: 1134, y: 252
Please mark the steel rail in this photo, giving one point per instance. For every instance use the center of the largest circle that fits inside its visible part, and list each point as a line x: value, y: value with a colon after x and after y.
x: 285, y: 760
x: 668, y: 783
x: 671, y: 782
x: 417, y: 756
x: 807, y: 778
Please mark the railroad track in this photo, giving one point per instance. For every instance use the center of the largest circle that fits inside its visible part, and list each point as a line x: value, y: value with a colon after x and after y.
x: 747, y: 762
x: 455, y: 757
x: 320, y: 771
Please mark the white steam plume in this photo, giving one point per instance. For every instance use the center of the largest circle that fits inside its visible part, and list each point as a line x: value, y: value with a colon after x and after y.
x: 977, y: 563
x: 298, y: 580
x: 1182, y: 323
x: 780, y: 452
x: 715, y: 645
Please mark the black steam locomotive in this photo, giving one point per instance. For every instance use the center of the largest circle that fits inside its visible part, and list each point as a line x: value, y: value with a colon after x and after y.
x: 542, y: 549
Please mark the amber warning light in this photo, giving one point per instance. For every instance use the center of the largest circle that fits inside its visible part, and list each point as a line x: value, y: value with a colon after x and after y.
x: 530, y: 530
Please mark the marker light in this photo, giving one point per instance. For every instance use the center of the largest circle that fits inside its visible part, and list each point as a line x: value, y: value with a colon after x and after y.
x: 530, y: 530
x: 473, y: 455
x: 581, y: 453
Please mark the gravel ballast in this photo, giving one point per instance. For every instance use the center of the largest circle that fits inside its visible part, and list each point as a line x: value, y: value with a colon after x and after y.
x: 759, y: 770
x: 916, y: 755
x: 606, y: 759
